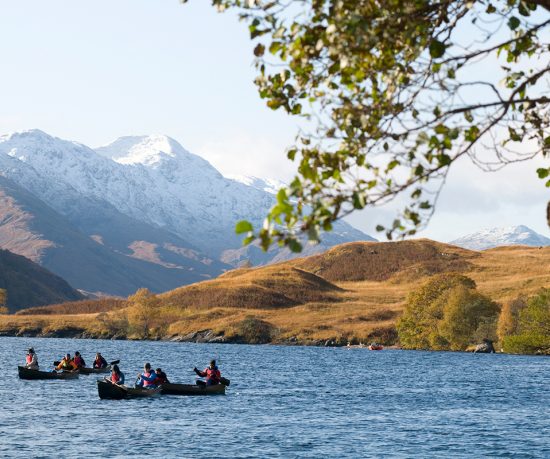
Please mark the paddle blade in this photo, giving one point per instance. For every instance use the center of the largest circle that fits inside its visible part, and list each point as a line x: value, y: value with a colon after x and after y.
x: 225, y: 381
x: 55, y: 363
x: 115, y: 362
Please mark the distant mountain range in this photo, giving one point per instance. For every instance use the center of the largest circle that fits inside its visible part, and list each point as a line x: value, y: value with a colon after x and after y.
x: 496, y: 237
x: 139, y: 212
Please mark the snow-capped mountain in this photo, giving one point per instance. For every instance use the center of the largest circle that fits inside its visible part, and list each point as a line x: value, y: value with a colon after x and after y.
x: 271, y: 186
x: 495, y: 237
x: 152, y: 180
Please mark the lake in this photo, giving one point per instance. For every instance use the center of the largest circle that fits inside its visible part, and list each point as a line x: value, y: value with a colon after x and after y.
x: 283, y: 402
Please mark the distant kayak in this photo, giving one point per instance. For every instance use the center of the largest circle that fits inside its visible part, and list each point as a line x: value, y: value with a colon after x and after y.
x: 192, y: 389
x: 375, y: 347
x: 109, y: 391
x: 27, y: 373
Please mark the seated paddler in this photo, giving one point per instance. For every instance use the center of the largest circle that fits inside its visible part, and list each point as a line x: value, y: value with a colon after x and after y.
x: 99, y: 361
x: 211, y: 373
x: 147, y: 379
x: 67, y: 364
x: 117, y: 377
x: 79, y: 360
x: 31, y: 360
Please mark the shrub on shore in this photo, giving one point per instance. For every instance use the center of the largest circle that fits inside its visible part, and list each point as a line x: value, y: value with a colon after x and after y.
x: 531, y: 334
x: 447, y: 313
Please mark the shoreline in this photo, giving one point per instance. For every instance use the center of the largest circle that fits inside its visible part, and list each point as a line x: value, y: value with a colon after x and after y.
x: 199, y: 337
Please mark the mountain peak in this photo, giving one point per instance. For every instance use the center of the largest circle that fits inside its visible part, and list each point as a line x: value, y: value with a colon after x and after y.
x: 148, y: 150
x: 494, y: 237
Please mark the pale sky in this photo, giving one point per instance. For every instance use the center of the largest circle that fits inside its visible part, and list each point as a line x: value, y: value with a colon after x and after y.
x: 92, y: 71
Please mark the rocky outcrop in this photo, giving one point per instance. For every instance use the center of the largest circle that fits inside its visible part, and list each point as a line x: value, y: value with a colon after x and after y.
x: 485, y: 348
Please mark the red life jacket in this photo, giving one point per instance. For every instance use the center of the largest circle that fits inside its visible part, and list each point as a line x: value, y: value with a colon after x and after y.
x: 213, y: 374
x: 78, y: 361
x: 115, y: 378
x: 148, y: 383
x: 29, y: 359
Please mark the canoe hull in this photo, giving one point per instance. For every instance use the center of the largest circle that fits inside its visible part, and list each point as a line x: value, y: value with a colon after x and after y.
x: 26, y: 373
x: 108, y: 391
x: 192, y: 389
x: 93, y: 371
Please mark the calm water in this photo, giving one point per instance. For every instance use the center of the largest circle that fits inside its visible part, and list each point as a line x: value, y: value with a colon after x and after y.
x: 282, y: 402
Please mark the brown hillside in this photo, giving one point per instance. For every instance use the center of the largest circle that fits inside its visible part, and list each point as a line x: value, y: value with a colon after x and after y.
x: 76, y: 307
x: 378, y: 261
x: 302, y: 306
x: 277, y: 286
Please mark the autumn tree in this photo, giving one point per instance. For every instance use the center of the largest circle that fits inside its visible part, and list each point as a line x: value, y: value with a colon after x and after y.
x: 143, y: 310
x: 417, y: 327
x: 3, y: 300
x: 468, y: 317
x: 392, y: 93
x: 533, y: 329
x: 508, y: 320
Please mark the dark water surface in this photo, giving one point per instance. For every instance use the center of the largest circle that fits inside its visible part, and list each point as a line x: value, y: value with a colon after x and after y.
x: 282, y: 402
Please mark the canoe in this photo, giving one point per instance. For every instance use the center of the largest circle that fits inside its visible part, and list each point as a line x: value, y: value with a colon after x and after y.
x: 109, y: 391
x: 90, y: 371
x: 192, y: 389
x: 27, y: 373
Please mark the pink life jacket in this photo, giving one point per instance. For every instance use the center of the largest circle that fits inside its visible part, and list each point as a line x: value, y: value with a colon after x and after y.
x: 29, y: 359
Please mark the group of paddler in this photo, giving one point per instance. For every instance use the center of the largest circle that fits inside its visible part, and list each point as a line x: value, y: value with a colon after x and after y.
x: 148, y: 379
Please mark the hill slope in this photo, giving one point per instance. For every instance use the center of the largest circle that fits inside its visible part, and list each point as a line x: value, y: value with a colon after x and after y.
x: 28, y: 284
x: 359, y: 300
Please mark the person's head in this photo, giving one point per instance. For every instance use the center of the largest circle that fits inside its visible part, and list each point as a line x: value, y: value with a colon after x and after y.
x: 116, y: 369
x: 68, y: 356
x: 158, y: 370
x: 147, y: 367
x: 98, y: 355
x: 30, y: 351
x: 212, y: 363
x: 77, y: 354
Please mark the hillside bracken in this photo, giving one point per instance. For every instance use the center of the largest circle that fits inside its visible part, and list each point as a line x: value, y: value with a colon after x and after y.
x: 290, y: 304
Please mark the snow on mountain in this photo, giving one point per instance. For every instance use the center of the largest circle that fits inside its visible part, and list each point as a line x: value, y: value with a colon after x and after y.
x: 152, y: 179
x: 271, y: 186
x: 495, y: 237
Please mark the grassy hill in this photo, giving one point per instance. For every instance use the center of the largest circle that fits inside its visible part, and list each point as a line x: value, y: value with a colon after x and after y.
x: 352, y: 292
x: 28, y: 284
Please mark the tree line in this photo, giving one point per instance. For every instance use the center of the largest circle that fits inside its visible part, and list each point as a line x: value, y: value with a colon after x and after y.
x: 448, y: 313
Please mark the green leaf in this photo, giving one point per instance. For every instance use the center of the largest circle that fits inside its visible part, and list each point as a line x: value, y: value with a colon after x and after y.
x: 243, y: 226
x: 259, y: 50
x: 437, y: 49
x: 513, y: 23
x: 543, y: 173
x: 294, y: 246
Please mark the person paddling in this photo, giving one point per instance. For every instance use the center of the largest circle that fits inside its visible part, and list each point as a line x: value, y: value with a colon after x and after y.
x: 67, y: 364
x: 99, y: 361
x: 161, y: 377
x: 117, y: 377
x: 79, y: 360
x: 31, y: 360
x: 147, y: 378
x: 211, y: 373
